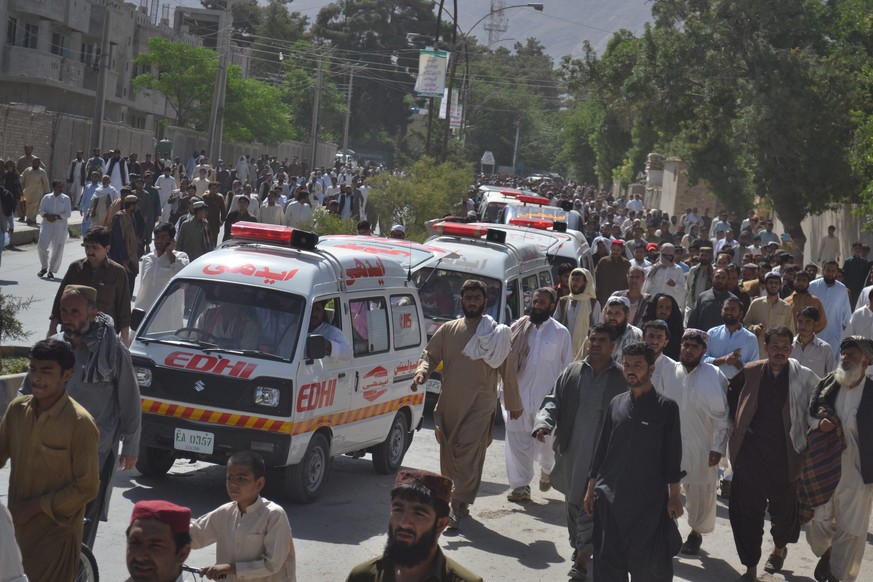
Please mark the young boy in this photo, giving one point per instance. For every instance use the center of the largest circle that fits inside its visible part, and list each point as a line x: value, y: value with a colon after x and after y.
x: 52, y: 442
x: 252, y: 534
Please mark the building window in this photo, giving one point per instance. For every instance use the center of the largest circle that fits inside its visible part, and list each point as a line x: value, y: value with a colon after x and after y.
x: 12, y: 31
x: 58, y: 47
x: 87, y: 54
x: 31, y: 33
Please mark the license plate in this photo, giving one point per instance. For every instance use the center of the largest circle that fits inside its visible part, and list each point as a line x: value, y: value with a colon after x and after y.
x: 194, y: 441
x: 433, y: 385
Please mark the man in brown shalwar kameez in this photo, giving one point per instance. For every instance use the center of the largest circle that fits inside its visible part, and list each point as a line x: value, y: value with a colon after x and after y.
x: 52, y: 442
x: 468, y: 398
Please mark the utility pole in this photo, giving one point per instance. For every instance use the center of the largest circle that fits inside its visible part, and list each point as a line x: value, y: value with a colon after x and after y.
x: 213, y: 138
x: 104, y: 61
x: 430, y: 102
x: 515, y: 148
x: 348, y: 111
x: 313, y: 132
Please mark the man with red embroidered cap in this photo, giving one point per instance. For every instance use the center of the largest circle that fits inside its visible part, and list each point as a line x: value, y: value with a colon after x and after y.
x: 158, y: 541
x: 419, y: 514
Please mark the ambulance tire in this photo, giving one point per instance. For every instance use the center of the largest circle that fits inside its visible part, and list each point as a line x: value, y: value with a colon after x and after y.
x: 305, y: 481
x: 154, y: 462
x: 388, y: 456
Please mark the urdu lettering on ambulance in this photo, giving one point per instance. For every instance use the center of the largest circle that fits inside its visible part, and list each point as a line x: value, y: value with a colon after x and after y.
x: 241, y: 368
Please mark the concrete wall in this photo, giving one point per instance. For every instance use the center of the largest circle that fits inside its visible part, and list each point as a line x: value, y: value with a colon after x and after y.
x: 9, y: 386
x: 849, y: 230
x: 55, y: 137
x: 676, y: 194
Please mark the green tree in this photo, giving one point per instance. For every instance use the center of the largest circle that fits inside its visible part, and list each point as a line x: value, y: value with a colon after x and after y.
x: 277, y: 30
x: 298, y: 91
x: 10, y: 325
x: 509, y: 90
x: 756, y: 95
x: 254, y: 111
x: 184, y: 74
x: 427, y: 190
x: 372, y: 35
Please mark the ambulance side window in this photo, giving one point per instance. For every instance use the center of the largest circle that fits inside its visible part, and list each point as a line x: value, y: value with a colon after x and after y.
x: 513, y: 305
x: 332, y: 313
x: 545, y: 279
x: 404, y: 321
x: 369, y: 326
x: 528, y: 285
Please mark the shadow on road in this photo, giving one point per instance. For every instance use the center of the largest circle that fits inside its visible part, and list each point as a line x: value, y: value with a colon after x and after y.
x: 538, y: 556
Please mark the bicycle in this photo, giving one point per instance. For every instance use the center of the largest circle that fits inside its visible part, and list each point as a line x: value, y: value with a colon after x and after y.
x: 87, y: 571
x: 197, y: 575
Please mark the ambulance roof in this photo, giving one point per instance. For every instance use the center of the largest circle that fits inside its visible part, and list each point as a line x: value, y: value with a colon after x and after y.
x: 549, y: 241
x: 296, y: 271
x: 410, y: 254
x: 493, y: 259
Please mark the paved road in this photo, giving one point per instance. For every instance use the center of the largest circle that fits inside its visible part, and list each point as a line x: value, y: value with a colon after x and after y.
x: 500, y: 541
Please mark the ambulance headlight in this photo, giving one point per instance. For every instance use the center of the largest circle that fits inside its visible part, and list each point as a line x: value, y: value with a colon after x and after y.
x: 143, y: 377
x: 265, y: 396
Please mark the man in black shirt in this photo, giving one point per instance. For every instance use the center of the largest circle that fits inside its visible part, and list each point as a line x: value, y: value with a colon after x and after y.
x: 633, y: 484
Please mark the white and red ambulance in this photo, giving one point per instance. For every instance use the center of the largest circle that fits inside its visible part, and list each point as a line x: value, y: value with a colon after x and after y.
x: 272, y: 344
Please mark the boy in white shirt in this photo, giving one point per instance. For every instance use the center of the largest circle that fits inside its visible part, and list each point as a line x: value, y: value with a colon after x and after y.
x: 252, y: 535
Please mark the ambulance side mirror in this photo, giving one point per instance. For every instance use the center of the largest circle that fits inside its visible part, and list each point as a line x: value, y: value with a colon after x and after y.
x: 136, y: 317
x: 316, y: 347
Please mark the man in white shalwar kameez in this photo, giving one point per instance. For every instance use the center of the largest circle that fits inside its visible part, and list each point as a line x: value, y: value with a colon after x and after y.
x: 700, y: 389
x: 156, y: 270
x: 835, y: 299
x: 543, y: 349
x: 666, y: 276
x: 838, y: 530
x: 861, y: 324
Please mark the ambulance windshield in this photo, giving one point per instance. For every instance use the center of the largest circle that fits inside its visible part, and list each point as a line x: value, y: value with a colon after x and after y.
x: 226, y: 315
x: 440, y: 293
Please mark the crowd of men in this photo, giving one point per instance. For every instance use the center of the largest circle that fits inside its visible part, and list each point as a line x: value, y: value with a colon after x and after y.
x: 130, y: 196
x: 739, y: 338
x: 689, y: 360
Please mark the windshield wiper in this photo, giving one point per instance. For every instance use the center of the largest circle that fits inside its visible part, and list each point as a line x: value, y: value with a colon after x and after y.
x: 175, y: 342
x: 247, y: 353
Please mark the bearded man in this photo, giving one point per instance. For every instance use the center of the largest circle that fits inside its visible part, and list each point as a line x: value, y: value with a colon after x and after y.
x: 700, y: 390
x: 419, y: 514
x: 838, y: 530
x: 474, y: 351
x: 105, y: 385
x: 544, y: 349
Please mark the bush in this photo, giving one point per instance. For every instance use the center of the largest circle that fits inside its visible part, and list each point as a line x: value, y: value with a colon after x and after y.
x: 13, y: 366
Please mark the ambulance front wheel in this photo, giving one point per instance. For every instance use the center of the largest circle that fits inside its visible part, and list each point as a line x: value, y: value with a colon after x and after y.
x: 388, y: 456
x: 154, y: 462
x: 305, y: 481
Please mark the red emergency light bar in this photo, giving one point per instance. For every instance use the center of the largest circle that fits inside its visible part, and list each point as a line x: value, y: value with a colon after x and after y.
x: 273, y: 233
x: 470, y: 231
x: 457, y: 229
x: 512, y: 193
x: 534, y: 200
x: 531, y: 223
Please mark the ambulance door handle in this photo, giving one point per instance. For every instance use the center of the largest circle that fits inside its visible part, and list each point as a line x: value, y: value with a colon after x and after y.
x: 357, y: 377
x: 342, y: 375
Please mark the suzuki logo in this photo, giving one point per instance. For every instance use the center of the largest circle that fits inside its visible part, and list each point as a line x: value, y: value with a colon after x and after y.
x: 199, y: 385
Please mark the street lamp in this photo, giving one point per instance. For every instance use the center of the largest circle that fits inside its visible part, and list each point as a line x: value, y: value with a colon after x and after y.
x: 454, y: 62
